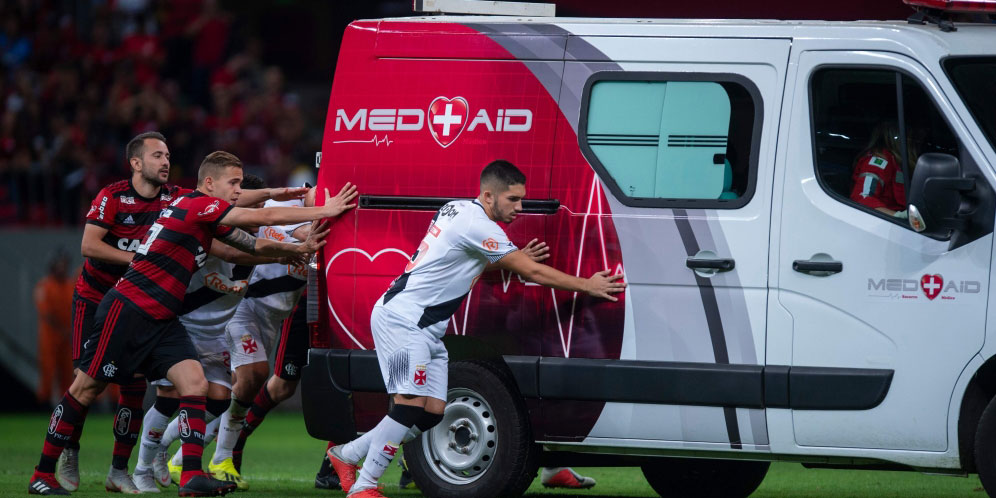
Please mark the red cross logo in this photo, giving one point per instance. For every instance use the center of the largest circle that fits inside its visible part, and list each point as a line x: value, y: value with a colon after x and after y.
x: 249, y: 345
x: 931, y: 285
x: 420, y: 377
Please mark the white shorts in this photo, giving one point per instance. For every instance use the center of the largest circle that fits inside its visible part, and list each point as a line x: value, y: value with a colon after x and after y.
x: 212, y: 352
x: 412, y: 361
x: 251, y: 335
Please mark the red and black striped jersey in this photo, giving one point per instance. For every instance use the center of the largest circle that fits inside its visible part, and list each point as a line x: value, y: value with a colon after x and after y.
x: 127, y: 216
x: 175, y: 247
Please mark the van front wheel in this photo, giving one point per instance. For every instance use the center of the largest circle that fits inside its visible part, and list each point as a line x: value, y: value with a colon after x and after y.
x: 484, y: 447
x: 701, y: 478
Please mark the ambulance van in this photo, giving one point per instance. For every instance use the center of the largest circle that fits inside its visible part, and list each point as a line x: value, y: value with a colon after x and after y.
x: 726, y: 168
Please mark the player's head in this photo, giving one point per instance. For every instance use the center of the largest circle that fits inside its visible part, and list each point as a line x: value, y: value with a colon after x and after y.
x: 220, y: 175
x: 502, y: 188
x: 58, y: 266
x: 253, y: 182
x: 148, y: 157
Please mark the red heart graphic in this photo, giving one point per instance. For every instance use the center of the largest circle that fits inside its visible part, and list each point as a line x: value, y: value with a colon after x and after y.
x: 353, y: 316
x: 447, y: 119
x: 931, y: 285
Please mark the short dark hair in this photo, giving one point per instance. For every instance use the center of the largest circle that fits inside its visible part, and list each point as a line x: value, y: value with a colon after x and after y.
x: 252, y: 182
x: 215, y: 163
x: 136, y: 146
x: 502, y: 174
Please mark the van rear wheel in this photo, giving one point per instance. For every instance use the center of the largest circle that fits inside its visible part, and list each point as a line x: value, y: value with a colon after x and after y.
x: 484, y: 446
x: 985, y: 448
x: 701, y: 478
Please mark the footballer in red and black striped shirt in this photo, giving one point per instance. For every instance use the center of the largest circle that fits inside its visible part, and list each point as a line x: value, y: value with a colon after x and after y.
x: 136, y: 329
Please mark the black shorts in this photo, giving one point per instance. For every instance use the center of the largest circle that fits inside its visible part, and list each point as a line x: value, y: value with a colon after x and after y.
x: 83, y: 312
x: 125, y: 341
x: 292, y: 351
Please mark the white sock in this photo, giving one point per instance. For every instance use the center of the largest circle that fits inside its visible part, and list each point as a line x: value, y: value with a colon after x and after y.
x: 211, y: 430
x: 177, y: 459
x: 384, y: 444
x: 153, y: 426
x: 354, y: 451
x: 228, y: 430
x: 172, y: 433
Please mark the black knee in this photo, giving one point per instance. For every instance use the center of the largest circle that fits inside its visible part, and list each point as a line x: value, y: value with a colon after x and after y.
x: 428, y: 420
x: 406, y: 415
x: 167, y: 406
x: 217, y: 406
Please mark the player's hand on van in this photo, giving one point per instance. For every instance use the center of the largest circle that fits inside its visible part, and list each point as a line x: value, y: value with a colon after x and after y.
x: 298, y: 260
x: 315, y: 240
x: 339, y: 204
x: 603, y: 285
x: 536, y: 250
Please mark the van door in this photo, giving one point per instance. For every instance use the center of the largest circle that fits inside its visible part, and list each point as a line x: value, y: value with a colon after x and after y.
x: 682, y: 154
x: 856, y: 286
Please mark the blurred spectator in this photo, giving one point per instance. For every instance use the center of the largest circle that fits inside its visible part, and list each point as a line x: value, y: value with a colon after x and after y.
x: 80, y: 78
x: 54, y: 298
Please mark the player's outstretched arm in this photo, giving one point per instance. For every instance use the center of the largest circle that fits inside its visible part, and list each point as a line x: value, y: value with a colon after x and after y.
x: 334, y: 206
x: 601, y: 284
x: 93, y: 246
x: 244, y: 242
x: 233, y: 255
x: 256, y: 196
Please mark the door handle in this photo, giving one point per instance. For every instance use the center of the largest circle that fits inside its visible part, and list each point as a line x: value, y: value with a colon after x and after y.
x: 719, y: 265
x: 817, y: 268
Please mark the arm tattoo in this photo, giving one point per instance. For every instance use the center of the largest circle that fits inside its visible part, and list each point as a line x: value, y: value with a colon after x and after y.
x: 241, y: 240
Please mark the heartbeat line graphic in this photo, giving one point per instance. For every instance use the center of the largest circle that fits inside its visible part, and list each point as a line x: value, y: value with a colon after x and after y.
x: 594, y: 208
x: 375, y: 140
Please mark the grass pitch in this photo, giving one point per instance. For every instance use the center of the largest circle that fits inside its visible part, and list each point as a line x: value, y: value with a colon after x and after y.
x: 281, y: 460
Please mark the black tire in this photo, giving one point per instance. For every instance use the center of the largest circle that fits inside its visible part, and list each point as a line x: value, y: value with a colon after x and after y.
x: 985, y: 448
x: 702, y: 478
x: 512, y: 459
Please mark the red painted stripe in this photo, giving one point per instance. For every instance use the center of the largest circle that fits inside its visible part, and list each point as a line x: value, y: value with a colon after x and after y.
x: 105, y: 336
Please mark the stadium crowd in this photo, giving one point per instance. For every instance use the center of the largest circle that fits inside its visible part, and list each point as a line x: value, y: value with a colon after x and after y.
x: 79, y: 81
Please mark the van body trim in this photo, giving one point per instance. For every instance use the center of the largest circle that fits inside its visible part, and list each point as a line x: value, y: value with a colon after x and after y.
x: 413, y: 203
x: 655, y: 382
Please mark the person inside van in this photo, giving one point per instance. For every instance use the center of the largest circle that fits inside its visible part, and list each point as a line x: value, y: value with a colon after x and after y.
x: 878, y: 172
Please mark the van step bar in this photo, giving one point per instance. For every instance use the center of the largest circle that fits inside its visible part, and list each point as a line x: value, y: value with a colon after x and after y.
x: 481, y: 7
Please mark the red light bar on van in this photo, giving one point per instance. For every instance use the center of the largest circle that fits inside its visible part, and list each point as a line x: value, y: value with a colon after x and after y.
x: 986, y: 6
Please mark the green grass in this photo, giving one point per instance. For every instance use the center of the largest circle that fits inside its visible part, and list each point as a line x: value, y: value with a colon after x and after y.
x: 281, y: 460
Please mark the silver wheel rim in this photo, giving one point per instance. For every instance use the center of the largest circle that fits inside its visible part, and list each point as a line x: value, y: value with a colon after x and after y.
x: 461, y: 448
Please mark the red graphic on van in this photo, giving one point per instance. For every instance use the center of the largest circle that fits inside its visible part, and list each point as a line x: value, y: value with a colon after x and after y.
x: 447, y: 118
x: 931, y: 285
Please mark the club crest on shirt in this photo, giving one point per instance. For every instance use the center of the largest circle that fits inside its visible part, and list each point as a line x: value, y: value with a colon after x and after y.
x: 490, y: 244
x: 211, y: 208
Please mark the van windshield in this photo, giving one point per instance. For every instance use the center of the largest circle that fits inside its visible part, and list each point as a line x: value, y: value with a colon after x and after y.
x: 975, y: 80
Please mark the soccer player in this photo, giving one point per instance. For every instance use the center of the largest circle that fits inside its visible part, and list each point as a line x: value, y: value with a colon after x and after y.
x: 136, y: 329
x: 274, y: 290
x: 409, y: 320
x: 211, y: 299
x: 119, y: 217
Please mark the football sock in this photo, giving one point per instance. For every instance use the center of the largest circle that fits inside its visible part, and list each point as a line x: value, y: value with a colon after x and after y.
x: 74, y: 440
x: 260, y: 407
x: 60, y: 429
x: 153, y: 426
x: 191, y: 424
x: 127, y: 421
x: 228, y: 431
x: 173, y: 429
x: 384, y: 444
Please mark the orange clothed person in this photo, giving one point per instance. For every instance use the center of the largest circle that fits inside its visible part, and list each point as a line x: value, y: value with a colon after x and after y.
x: 53, y: 298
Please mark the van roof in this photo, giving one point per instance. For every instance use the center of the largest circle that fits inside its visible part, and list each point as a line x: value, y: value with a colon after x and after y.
x: 969, y: 39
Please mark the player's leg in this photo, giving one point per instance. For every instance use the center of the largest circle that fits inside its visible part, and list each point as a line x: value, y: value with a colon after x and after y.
x: 326, y: 478
x: 127, y: 424
x: 176, y: 359
x: 291, y: 355
x: 68, y: 469
x: 151, y: 470
x: 107, y: 340
x: 564, y: 477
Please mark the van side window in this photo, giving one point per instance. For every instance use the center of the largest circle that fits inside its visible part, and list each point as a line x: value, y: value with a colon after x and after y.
x: 858, y: 145
x: 671, y: 140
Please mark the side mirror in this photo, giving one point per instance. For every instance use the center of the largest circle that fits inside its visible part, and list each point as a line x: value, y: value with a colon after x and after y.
x: 935, y: 195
